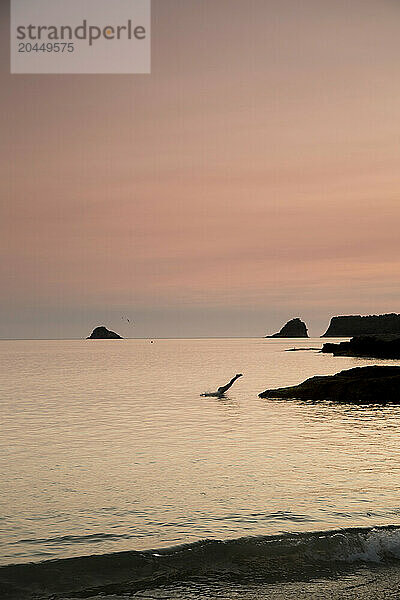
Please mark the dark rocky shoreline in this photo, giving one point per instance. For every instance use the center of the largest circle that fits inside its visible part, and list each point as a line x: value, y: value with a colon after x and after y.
x: 361, y: 385
x: 352, y: 325
x: 366, y: 347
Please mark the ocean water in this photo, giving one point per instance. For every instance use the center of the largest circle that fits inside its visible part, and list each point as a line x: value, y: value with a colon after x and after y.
x: 109, y: 449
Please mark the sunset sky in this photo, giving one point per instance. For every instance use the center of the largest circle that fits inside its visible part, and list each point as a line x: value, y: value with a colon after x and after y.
x: 254, y: 176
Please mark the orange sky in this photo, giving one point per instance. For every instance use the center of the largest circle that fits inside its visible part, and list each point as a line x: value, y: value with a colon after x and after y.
x: 252, y: 177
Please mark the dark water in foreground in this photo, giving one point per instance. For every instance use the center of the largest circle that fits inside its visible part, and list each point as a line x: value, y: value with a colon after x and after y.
x: 258, y: 567
x: 109, y: 450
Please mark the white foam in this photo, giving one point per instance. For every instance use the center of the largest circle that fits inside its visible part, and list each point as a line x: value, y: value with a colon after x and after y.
x: 377, y: 545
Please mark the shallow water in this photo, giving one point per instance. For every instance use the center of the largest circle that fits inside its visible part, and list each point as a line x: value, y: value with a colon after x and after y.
x: 108, y: 446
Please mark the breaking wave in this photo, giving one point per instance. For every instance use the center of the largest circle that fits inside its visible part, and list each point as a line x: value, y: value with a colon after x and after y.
x: 271, y: 558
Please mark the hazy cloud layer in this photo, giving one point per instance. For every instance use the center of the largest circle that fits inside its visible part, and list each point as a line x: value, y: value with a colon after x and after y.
x: 254, y: 176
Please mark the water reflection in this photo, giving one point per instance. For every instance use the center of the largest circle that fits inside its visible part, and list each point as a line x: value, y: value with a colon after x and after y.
x: 89, y: 448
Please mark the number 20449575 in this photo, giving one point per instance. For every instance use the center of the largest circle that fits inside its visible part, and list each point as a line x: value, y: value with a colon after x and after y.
x: 46, y: 47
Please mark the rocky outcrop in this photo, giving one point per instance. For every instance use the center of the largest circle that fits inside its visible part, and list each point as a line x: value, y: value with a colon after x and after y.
x: 367, y: 347
x: 349, y: 326
x: 102, y: 333
x: 362, y: 385
x: 295, y: 328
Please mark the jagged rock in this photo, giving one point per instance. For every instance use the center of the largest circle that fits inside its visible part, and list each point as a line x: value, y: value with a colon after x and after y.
x: 351, y: 325
x: 295, y: 328
x: 366, y: 346
x: 102, y: 333
x: 362, y: 385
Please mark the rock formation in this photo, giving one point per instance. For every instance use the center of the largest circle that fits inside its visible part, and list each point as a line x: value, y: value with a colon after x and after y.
x: 295, y: 328
x: 102, y: 333
x: 349, y: 326
x: 362, y: 385
x: 366, y: 346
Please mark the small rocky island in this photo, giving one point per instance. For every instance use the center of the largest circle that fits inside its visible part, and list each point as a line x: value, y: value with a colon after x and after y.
x: 366, y: 347
x: 102, y: 333
x: 295, y: 328
x: 351, y: 325
x: 362, y: 385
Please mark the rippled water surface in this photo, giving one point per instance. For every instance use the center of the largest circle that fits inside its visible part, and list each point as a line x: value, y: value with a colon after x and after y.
x: 108, y: 446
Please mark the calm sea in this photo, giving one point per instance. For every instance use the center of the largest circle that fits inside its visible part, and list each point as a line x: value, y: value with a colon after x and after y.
x: 108, y: 446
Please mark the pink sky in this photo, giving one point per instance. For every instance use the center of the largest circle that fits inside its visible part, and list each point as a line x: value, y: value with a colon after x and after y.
x: 252, y: 177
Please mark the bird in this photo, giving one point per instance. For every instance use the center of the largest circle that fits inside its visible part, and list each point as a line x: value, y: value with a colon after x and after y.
x: 127, y: 320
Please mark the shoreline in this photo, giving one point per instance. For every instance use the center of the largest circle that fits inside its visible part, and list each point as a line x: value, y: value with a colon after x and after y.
x: 267, y: 565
